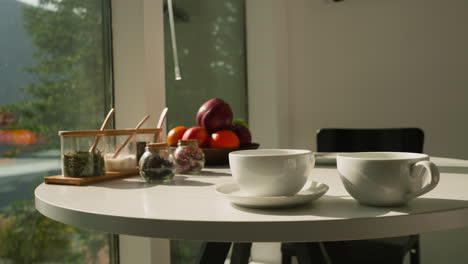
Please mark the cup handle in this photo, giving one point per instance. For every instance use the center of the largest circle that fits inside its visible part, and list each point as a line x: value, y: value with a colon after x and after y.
x: 433, y: 171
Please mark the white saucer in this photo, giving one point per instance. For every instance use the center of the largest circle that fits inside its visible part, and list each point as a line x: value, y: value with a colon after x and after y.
x: 232, y: 192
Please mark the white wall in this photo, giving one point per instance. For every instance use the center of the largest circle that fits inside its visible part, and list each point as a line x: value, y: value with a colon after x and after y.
x: 365, y: 63
x: 267, y: 72
x: 362, y: 63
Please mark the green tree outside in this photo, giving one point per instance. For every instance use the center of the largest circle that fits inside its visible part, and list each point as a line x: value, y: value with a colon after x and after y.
x: 71, y: 92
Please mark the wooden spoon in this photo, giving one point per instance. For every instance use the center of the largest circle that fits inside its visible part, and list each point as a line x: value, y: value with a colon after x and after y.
x: 116, y: 154
x: 162, y: 117
x: 103, y: 126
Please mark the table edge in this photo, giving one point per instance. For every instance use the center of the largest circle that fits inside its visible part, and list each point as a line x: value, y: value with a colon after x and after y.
x: 286, y: 231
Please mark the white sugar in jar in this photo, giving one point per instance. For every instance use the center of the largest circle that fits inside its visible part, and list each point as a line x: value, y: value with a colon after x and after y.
x: 121, y: 163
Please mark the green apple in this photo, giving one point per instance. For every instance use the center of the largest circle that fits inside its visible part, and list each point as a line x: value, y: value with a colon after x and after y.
x: 240, y: 122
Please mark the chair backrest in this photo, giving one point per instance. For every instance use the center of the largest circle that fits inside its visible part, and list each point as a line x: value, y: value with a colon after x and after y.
x: 359, y: 140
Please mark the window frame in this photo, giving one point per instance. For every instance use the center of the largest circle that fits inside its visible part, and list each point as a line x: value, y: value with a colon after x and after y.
x: 139, y: 63
x: 139, y: 89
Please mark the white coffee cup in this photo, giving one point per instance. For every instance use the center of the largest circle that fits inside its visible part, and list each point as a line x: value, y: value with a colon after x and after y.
x: 386, y: 178
x: 271, y: 172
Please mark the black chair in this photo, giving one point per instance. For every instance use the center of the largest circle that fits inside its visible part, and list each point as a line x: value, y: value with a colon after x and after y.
x: 386, y: 250
x: 359, y: 140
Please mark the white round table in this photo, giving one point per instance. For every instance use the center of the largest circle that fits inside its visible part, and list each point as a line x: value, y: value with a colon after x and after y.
x: 191, y: 209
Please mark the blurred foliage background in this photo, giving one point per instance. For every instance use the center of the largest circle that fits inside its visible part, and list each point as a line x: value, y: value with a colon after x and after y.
x: 28, y: 237
x: 71, y: 76
x: 68, y: 88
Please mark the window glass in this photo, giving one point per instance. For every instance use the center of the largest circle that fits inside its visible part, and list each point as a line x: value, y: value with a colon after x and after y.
x: 54, y: 75
x: 211, y: 49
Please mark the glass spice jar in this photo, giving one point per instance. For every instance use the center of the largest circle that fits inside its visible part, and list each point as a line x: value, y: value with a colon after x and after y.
x: 123, y: 142
x: 157, y: 163
x: 189, y: 158
x: 82, y: 153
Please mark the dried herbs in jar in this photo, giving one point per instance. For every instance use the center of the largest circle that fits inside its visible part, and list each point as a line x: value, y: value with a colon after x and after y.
x: 157, y: 163
x: 83, y: 164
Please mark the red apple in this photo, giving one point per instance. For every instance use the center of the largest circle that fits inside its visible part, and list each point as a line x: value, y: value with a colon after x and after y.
x: 198, y: 133
x: 243, y: 133
x: 214, y: 115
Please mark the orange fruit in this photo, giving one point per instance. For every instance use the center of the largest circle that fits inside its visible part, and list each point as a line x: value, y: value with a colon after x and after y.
x: 224, y: 139
x: 175, y: 134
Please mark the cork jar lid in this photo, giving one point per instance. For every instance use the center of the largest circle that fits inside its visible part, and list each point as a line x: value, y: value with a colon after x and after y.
x: 154, y: 145
x: 188, y: 142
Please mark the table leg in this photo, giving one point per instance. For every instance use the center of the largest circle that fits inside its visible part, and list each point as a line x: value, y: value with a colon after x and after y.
x: 241, y: 253
x: 213, y: 252
x: 415, y: 251
x: 304, y: 252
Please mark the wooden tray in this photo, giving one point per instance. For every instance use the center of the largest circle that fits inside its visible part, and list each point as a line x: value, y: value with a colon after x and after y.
x: 110, y: 175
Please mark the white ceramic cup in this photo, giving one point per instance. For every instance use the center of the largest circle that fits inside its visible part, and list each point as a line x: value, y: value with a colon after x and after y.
x: 271, y: 172
x: 386, y: 178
